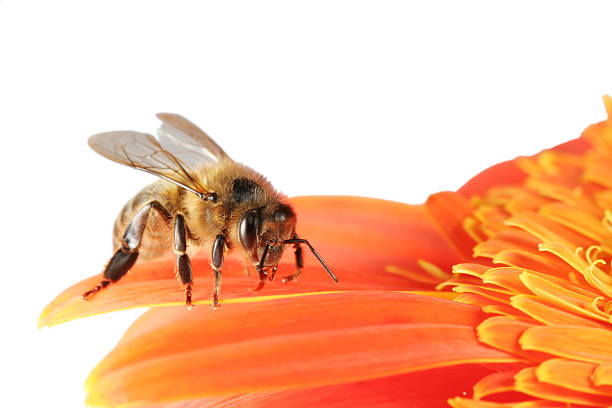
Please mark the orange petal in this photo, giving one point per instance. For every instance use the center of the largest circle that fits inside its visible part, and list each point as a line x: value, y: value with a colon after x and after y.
x: 504, y: 173
x: 603, y: 374
x: 494, y: 384
x: 581, y: 266
x: 508, y: 173
x: 573, y: 375
x: 505, y: 311
x: 496, y: 295
x: 509, y: 238
x: 545, y: 404
x: 371, y: 233
x: 544, y: 312
x: 575, y: 342
x: 459, y: 402
x: 359, y: 238
x: 527, y: 382
x: 561, y: 294
x: 174, y: 354
x: 504, y: 333
x: 599, y: 172
x: 486, y: 304
x: 506, y: 277
x: 532, y: 261
x: 467, y: 403
x: 422, y: 389
x: 472, y: 269
x: 581, y: 222
x: 548, y: 230
x: 518, y: 248
x: 600, y: 134
x: 449, y: 210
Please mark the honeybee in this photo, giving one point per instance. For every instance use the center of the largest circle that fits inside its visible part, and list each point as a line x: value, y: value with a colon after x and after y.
x: 204, y: 199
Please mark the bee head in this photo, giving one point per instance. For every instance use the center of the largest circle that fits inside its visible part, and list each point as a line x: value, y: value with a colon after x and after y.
x: 266, y: 226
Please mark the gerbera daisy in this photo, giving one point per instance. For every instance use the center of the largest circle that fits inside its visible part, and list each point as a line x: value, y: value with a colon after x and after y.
x: 526, y: 323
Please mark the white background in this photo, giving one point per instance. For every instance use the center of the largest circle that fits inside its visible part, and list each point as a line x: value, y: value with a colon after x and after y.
x: 385, y: 99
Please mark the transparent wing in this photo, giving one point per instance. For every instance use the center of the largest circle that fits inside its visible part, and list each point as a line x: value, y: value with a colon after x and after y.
x: 144, y: 152
x: 184, y: 139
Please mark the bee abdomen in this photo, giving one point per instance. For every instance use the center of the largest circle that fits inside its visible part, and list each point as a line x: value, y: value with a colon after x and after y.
x: 157, y: 239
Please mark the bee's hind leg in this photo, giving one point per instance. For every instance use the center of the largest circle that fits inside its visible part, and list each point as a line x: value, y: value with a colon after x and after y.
x: 183, y: 264
x: 119, y: 264
x: 125, y: 257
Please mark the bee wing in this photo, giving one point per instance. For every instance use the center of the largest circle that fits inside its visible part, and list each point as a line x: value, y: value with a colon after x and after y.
x: 144, y: 152
x: 184, y: 139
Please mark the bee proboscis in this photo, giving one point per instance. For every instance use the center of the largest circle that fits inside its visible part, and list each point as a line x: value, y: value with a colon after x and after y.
x: 204, y: 199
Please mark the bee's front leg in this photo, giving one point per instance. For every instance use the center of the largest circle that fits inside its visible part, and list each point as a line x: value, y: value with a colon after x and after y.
x: 299, y: 261
x: 183, y: 264
x: 125, y: 257
x: 217, y: 263
x: 263, y: 273
x: 273, y: 274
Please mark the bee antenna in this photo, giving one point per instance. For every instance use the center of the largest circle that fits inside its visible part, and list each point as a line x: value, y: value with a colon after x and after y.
x: 304, y: 241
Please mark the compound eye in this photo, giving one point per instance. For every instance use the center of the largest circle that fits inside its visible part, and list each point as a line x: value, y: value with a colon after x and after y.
x: 248, y: 230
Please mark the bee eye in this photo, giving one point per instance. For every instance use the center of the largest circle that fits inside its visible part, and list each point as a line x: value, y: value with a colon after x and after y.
x: 248, y: 229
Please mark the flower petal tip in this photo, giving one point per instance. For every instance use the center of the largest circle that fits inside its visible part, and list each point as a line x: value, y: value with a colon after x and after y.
x: 608, y: 104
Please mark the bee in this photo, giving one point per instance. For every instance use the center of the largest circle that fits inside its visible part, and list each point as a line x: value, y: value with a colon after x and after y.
x: 203, y: 200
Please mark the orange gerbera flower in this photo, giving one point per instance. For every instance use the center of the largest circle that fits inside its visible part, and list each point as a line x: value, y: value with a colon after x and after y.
x: 527, y: 323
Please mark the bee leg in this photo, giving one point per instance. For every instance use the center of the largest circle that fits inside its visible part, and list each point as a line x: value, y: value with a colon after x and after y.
x: 125, y: 257
x: 260, y: 285
x: 271, y: 278
x: 183, y: 264
x: 260, y: 268
x: 299, y: 262
x: 217, y: 263
x: 298, y: 258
